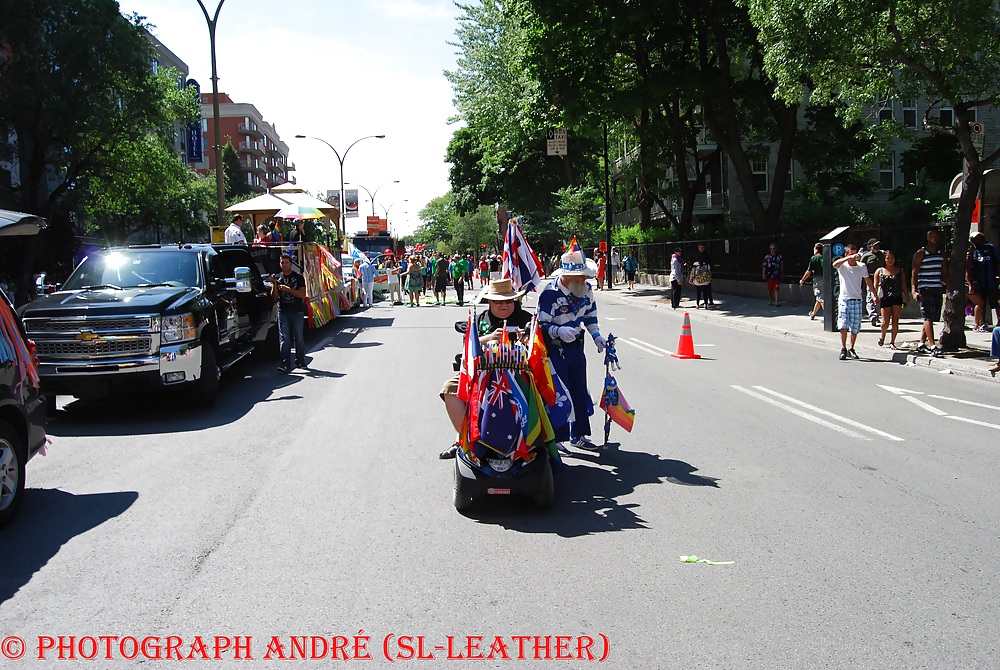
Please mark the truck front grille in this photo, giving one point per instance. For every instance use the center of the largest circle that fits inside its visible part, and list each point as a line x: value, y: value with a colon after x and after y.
x: 93, y: 348
x: 98, y: 324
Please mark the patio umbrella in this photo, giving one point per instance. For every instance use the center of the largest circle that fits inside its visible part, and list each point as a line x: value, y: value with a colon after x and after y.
x: 19, y: 223
x: 296, y: 211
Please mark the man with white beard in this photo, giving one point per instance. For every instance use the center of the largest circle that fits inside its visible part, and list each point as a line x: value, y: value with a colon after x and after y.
x: 566, y: 311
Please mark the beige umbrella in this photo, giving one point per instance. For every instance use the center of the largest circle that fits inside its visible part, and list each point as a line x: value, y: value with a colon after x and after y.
x: 265, y: 206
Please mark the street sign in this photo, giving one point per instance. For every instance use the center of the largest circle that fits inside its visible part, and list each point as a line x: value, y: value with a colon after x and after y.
x: 556, y: 144
x: 838, y: 249
x: 978, y: 137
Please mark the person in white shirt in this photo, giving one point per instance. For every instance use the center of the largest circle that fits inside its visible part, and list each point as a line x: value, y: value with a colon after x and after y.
x: 234, y: 233
x: 616, y: 261
x: 853, y: 274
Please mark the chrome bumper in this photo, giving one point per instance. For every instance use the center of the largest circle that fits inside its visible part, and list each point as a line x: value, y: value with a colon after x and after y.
x: 184, y: 358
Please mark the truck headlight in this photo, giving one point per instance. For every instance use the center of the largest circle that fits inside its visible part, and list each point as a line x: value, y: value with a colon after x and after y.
x: 177, y: 328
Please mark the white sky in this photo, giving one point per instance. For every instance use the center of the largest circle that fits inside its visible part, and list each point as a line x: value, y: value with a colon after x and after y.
x: 291, y: 60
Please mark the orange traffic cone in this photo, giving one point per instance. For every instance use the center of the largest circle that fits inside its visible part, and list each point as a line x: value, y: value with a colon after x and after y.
x: 685, y: 345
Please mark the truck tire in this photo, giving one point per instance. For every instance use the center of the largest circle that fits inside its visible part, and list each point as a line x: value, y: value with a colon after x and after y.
x: 13, y: 457
x: 206, y: 389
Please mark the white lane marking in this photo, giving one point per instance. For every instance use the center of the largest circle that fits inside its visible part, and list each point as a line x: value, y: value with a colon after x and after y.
x: 923, y: 405
x: 648, y: 351
x: 898, y: 391
x: 614, y: 318
x: 651, y: 346
x: 965, y: 402
x: 978, y: 423
x: 837, y: 417
x: 803, y: 415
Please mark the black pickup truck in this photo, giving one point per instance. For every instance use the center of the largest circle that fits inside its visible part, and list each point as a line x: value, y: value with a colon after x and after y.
x: 150, y: 318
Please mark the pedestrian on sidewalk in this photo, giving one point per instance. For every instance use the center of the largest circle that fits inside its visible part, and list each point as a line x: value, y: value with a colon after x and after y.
x: 814, y: 276
x: 892, y: 294
x: 602, y: 268
x: 986, y: 267
x: 676, y: 278
x: 772, y: 271
x: 930, y: 280
x: 853, y: 275
x: 615, y: 260
x: 995, y: 351
x: 631, y: 266
x: 873, y: 258
x: 703, y: 261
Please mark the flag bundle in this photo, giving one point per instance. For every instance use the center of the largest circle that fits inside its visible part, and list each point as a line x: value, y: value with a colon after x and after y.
x: 470, y: 355
x: 519, y: 262
x: 615, y: 407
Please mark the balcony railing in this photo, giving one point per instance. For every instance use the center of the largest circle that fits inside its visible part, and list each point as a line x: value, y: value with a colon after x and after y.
x: 252, y: 148
x: 256, y: 168
x: 251, y: 130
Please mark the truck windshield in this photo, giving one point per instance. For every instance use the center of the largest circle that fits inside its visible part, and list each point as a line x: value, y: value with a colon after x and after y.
x: 134, y: 268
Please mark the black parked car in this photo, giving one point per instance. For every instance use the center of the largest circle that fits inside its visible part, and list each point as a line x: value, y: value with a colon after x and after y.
x: 22, y: 410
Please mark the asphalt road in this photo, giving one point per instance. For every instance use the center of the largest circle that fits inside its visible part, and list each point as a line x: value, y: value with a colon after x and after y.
x: 861, y: 519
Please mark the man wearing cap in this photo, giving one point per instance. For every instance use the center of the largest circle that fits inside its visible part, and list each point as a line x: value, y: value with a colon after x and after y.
x: 873, y: 258
x: 566, y: 311
x: 234, y: 233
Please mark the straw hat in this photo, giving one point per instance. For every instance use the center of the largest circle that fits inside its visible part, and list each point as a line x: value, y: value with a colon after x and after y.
x: 574, y: 262
x: 499, y: 289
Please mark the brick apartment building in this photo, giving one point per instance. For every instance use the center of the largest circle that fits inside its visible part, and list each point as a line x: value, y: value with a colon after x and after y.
x: 262, y: 153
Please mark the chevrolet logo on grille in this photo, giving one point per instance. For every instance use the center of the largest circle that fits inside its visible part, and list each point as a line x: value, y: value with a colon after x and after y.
x: 88, y: 336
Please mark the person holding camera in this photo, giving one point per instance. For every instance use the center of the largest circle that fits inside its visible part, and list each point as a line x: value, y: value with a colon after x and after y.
x: 288, y: 289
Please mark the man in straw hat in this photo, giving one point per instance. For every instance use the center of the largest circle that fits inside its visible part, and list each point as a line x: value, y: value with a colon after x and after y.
x: 566, y: 310
x: 505, y: 306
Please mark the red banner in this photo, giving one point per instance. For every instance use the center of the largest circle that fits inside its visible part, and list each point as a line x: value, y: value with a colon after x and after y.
x: 373, y: 225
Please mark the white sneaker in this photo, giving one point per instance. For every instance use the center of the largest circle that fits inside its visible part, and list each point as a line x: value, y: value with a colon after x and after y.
x: 583, y: 443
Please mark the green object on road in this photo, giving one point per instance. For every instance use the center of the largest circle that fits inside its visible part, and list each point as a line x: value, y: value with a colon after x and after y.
x: 695, y: 559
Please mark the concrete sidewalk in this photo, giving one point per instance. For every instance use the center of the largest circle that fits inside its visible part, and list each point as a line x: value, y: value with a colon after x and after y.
x: 793, y: 322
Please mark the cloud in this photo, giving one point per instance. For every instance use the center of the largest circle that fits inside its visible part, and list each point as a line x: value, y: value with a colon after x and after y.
x: 412, y: 9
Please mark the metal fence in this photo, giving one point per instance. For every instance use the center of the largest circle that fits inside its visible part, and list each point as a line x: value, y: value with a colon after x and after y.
x: 741, y: 258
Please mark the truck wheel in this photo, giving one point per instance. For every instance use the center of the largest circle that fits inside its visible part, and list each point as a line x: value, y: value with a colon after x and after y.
x: 207, y: 387
x: 547, y: 494
x: 463, y: 501
x: 13, y: 456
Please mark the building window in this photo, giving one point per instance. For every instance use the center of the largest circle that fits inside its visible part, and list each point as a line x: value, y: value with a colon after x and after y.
x: 910, y: 113
x: 885, y: 114
x: 759, y: 168
x: 972, y: 115
x: 156, y: 66
x: 249, y: 179
x: 887, y: 173
x: 947, y: 117
x: 204, y: 125
x: 790, y: 177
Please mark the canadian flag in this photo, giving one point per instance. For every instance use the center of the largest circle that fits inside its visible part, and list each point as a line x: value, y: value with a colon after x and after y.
x: 470, y: 353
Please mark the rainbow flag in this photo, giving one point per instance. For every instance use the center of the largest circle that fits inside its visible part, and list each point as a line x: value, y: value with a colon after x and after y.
x: 618, y: 409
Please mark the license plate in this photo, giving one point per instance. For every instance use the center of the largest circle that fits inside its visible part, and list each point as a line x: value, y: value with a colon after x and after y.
x: 498, y: 492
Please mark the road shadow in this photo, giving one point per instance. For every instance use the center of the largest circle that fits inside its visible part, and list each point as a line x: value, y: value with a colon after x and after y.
x: 48, y: 519
x: 250, y: 381
x: 587, y: 494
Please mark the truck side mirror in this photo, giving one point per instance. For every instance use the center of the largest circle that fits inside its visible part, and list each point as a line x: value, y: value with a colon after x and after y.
x: 240, y: 280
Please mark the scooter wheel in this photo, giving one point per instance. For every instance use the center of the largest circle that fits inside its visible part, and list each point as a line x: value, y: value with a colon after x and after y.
x: 463, y: 501
x: 547, y: 494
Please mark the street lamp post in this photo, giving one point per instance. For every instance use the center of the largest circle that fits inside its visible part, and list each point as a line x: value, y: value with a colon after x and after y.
x: 220, y: 182
x: 372, y: 195
x: 386, y: 210
x: 342, y: 224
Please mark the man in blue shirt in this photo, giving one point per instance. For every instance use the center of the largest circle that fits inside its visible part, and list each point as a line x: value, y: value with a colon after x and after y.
x: 367, y: 272
x: 566, y: 311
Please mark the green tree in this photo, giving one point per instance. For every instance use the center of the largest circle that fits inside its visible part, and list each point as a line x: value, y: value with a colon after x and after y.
x: 436, y: 219
x: 469, y: 232
x: 580, y: 214
x: 77, y: 91
x: 236, y: 175
x: 944, y: 51
x: 932, y: 158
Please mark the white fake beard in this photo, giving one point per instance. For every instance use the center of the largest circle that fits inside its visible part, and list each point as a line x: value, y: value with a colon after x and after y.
x: 579, y: 290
